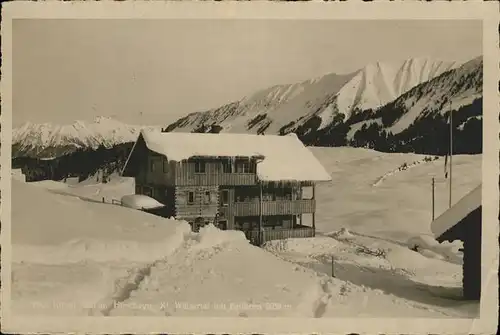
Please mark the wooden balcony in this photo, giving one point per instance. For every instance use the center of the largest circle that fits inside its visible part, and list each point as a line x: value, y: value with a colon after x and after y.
x: 202, y: 179
x: 280, y: 207
x: 258, y: 238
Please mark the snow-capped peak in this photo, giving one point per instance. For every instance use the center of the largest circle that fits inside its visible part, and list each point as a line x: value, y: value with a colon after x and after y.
x: 101, y: 131
x: 381, y: 82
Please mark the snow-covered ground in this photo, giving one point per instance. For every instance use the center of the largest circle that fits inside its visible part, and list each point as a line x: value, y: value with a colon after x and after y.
x: 90, y: 258
x: 369, y: 195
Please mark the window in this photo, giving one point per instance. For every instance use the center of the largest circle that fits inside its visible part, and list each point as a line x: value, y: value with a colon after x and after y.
x: 247, y: 194
x: 199, y: 167
x: 207, y: 197
x: 227, y: 166
x: 224, y: 197
x: 165, y: 166
x: 152, y: 166
x: 243, y: 167
x: 190, y: 197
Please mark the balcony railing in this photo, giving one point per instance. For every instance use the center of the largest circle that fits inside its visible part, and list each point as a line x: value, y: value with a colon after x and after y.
x: 184, y: 179
x: 279, y: 207
x: 257, y: 237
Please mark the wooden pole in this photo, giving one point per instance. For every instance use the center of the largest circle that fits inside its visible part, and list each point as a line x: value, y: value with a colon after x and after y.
x: 314, y: 212
x: 433, y: 206
x: 451, y: 155
x: 260, y: 214
x: 333, y: 273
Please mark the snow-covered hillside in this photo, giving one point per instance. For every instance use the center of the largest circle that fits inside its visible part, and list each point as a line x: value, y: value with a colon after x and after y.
x: 252, y: 113
x: 274, y: 108
x: 374, y: 194
x: 50, y: 140
x: 74, y: 255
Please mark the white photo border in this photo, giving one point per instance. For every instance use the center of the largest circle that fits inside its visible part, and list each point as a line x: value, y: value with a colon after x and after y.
x: 485, y: 11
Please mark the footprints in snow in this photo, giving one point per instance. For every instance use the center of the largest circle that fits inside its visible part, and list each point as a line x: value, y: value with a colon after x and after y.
x: 403, y: 167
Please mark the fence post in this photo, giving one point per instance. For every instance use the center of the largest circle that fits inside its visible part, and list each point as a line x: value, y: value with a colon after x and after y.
x: 433, y: 195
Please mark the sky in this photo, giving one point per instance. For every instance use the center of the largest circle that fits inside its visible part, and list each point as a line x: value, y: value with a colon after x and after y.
x: 144, y: 71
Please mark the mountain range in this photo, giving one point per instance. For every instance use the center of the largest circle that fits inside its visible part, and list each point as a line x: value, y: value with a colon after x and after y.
x: 47, y: 140
x: 414, y: 88
x: 388, y: 106
x: 326, y: 97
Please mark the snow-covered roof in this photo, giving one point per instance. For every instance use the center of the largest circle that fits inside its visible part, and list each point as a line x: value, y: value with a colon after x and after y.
x: 285, y: 158
x: 457, y: 212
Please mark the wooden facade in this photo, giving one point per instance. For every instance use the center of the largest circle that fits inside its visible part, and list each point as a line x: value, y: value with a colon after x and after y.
x: 222, y: 191
x: 468, y: 230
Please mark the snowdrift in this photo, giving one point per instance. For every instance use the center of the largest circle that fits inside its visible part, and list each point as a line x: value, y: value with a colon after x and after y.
x: 67, y: 228
x: 431, y: 248
x: 90, y: 190
x: 102, y: 253
x: 391, y: 277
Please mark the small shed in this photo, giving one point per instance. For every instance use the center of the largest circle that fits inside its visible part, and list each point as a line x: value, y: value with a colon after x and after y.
x: 463, y: 221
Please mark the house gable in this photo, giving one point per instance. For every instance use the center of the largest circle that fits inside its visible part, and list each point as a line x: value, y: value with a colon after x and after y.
x: 465, y: 228
x: 465, y: 211
x: 137, y: 155
x: 147, y: 166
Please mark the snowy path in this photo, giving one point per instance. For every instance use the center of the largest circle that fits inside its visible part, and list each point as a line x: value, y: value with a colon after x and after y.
x: 300, y: 286
x: 213, y: 279
x: 208, y: 275
x: 428, y: 285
